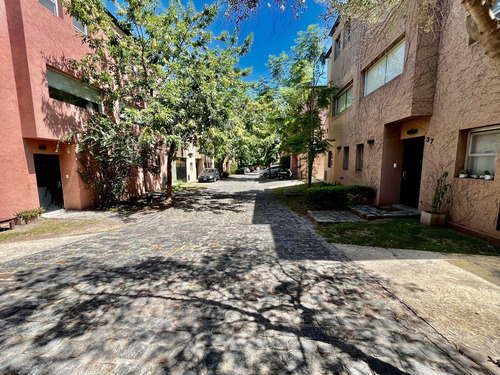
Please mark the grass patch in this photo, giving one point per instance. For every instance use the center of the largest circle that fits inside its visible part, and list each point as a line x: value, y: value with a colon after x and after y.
x: 43, y: 228
x: 187, y: 185
x: 406, y: 234
x: 298, y: 204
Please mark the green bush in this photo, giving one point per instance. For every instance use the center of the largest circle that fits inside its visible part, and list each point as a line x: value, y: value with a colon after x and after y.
x: 30, y: 214
x: 340, y: 196
x: 240, y: 171
x: 233, y: 168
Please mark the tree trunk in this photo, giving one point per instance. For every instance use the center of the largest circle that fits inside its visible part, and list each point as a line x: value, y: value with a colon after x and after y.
x: 310, y: 164
x: 145, y: 172
x: 170, y: 154
x: 488, y: 29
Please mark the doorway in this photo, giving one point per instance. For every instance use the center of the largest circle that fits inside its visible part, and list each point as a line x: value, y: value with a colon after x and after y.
x: 180, y: 169
x: 413, y: 153
x: 48, y: 180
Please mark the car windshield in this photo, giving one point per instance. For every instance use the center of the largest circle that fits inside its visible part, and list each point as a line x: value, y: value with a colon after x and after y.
x: 209, y: 170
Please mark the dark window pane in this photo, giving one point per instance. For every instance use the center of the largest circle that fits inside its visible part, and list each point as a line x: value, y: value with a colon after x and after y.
x: 72, y: 99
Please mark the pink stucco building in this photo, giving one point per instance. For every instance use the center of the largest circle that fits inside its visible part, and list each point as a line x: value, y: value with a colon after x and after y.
x: 413, y: 105
x: 40, y: 102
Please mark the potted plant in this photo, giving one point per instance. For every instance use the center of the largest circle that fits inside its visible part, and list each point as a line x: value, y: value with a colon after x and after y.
x: 20, y: 219
x: 462, y: 173
x: 434, y: 218
x: 487, y: 175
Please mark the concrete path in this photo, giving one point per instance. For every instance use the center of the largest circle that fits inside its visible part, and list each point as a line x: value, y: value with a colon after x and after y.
x: 459, y: 295
x: 227, y: 281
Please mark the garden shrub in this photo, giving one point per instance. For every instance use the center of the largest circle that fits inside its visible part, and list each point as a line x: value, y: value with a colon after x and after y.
x: 233, y: 168
x: 340, y: 196
x: 240, y: 171
x: 30, y: 214
x: 108, y: 156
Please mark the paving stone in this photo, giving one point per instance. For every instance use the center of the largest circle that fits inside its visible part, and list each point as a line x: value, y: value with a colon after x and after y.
x: 227, y: 280
x: 133, y: 350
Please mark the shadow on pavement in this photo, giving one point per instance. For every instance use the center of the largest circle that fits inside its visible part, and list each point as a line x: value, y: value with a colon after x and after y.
x: 251, y: 308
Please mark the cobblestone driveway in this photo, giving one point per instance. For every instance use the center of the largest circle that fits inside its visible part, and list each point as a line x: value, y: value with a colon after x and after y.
x: 227, y: 281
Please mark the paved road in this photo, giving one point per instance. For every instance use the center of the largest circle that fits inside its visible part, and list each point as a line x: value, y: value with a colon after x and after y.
x: 226, y: 281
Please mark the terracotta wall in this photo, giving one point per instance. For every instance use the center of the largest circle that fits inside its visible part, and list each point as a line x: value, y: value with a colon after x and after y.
x: 447, y: 88
x: 32, y: 38
x: 18, y: 189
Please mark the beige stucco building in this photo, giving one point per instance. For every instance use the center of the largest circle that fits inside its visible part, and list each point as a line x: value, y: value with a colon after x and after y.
x: 411, y: 106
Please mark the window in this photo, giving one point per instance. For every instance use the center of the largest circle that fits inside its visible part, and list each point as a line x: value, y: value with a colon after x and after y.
x: 80, y: 26
x: 345, y: 162
x: 50, y: 5
x: 337, y: 48
x: 72, y: 91
x: 348, y: 33
x: 386, y: 69
x: 343, y: 101
x: 330, y: 159
x: 360, y: 154
x: 482, y: 151
x: 496, y: 9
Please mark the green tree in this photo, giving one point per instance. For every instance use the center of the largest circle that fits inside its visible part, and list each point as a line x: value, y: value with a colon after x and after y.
x: 482, y: 25
x: 296, y: 79
x: 221, y: 97
x: 166, y: 65
x: 108, y: 154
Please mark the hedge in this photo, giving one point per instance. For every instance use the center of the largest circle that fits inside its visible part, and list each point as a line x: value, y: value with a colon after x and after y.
x: 340, y: 196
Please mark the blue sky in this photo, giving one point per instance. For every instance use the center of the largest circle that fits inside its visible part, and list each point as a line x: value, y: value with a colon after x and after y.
x: 274, y: 31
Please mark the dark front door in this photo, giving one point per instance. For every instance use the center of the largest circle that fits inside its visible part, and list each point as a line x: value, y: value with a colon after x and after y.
x: 48, y: 179
x: 180, y: 169
x: 412, y: 171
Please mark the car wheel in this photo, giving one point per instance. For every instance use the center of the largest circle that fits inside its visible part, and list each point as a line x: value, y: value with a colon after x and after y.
x: 265, y: 175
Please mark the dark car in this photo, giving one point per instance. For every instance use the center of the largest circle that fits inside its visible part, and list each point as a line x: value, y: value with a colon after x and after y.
x: 209, y: 175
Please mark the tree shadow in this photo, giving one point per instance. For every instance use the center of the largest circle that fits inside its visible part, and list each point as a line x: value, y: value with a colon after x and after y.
x: 234, y: 300
x: 221, y: 311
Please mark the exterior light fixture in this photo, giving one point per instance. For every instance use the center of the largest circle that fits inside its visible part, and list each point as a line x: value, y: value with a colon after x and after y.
x: 42, y: 147
x: 412, y: 131
x: 339, y: 148
x: 371, y: 141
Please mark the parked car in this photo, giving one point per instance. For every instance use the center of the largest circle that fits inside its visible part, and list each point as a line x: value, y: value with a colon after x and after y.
x: 284, y: 174
x: 209, y: 175
x: 275, y: 169
x: 247, y: 170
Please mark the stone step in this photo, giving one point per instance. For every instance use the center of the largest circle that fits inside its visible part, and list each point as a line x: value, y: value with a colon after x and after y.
x: 372, y: 212
x: 332, y: 217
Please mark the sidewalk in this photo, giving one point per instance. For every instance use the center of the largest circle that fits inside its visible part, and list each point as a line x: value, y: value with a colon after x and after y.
x: 459, y: 295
